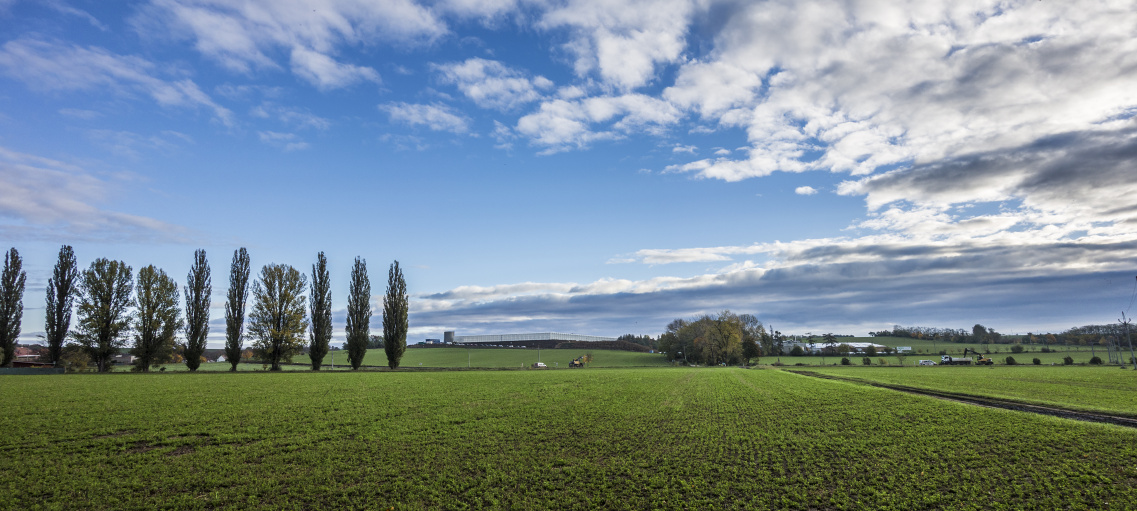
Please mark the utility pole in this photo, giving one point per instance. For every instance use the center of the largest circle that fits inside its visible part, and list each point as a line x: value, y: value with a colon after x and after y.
x: 1125, y: 321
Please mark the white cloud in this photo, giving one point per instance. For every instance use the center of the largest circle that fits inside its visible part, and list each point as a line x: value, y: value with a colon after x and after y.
x: 805, y: 190
x: 62, y: 8
x: 131, y: 145
x: 484, y: 9
x: 325, y: 73
x: 680, y: 148
x: 491, y: 84
x: 55, y: 66
x: 287, y: 141
x: 243, y: 36
x: 298, y: 118
x: 560, y: 125
x: 437, y: 117
x: 623, y: 40
x: 870, y: 85
x: 43, y: 198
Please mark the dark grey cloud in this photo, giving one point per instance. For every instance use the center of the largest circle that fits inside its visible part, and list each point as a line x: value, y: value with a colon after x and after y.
x: 1012, y: 288
x: 1091, y: 171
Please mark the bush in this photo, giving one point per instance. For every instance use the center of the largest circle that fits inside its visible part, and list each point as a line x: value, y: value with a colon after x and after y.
x: 1011, y: 361
x: 797, y: 351
x: 1069, y: 361
x: 866, y: 361
x: 799, y: 364
x: 1018, y: 348
x: 1046, y: 350
x: 845, y: 361
x: 1095, y: 361
x: 1037, y: 362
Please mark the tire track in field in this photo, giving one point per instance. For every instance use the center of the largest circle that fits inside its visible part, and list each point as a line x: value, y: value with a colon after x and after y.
x: 990, y: 402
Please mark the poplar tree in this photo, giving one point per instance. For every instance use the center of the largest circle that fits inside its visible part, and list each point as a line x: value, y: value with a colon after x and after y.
x: 158, y: 318
x: 11, y: 305
x: 60, y: 300
x: 103, y: 314
x: 235, y: 306
x: 277, y: 319
x: 395, y: 308
x: 358, y: 314
x: 320, y: 307
x: 197, y: 291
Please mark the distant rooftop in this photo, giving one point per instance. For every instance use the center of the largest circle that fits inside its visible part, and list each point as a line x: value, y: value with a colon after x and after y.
x: 541, y: 336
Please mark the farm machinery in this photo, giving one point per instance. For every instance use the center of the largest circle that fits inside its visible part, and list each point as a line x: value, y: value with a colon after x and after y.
x: 577, y: 362
x: 949, y: 360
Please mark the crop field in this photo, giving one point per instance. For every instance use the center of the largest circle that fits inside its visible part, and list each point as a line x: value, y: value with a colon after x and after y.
x: 929, y: 350
x: 1025, y: 358
x: 583, y: 439
x: 485, y: 358
x: 1105, y: 389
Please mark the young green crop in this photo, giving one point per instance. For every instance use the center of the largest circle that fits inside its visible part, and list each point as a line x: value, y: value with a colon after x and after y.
x: 572, y: 439
x: 1078, y: 387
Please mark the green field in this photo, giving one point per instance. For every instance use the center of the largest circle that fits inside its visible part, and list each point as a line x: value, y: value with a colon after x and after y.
x: 1089, y: 388
x: 583, y: 439
x: 480, y: 358
x: 929, y: 350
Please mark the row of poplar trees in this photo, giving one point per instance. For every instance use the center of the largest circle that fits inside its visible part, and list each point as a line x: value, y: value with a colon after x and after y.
x: 111, y: 309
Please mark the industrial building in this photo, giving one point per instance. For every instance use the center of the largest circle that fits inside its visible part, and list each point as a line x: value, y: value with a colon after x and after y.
x: 533, y: 340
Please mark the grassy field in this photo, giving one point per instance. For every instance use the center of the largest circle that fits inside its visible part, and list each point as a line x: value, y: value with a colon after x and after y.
x: 617, y: 438
x: 929, y: 350
x: 484, y: 358
x: 1090, y: 388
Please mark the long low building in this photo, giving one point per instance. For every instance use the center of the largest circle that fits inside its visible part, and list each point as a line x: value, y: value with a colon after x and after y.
x: 540, y: 338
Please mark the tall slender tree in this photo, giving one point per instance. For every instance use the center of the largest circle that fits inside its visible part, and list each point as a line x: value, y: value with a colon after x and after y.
x: 235, y: 306
x: 395, y: 308
x: 103, y: 314
x: 158, y: 318
x: 198, y: 290
x: 277, y: 319
x: 11, y: 305
x: 320, y: 308
x: 358, y: 314
x: 60, y: 301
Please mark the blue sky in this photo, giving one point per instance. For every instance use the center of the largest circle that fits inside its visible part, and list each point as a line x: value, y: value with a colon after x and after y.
x: 591, y: 166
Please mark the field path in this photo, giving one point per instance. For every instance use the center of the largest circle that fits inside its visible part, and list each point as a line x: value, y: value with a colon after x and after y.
x: 990, y: 402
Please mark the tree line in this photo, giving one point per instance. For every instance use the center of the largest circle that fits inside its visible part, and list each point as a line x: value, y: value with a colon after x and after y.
x: 724, y: 338
x: 114, y: 311
x: 978, y: 334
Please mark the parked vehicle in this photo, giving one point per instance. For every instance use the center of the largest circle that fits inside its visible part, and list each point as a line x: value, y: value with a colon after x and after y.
x: 949, y: 360
x: 927, y: 362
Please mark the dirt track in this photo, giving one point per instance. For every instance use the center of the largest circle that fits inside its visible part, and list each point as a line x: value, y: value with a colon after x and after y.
x: 1006, y: 404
